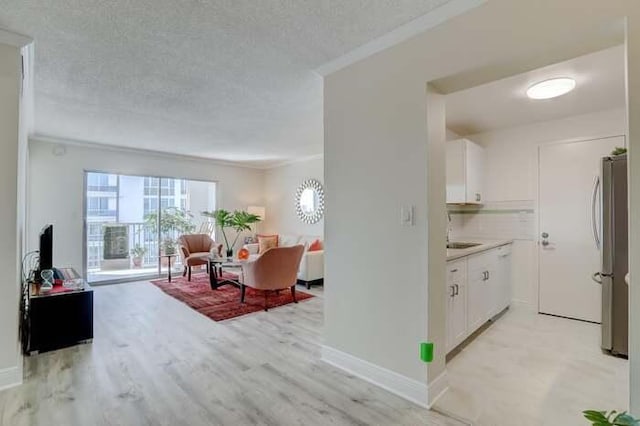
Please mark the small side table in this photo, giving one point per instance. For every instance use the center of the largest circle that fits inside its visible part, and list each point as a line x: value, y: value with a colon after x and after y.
x: 168, y: 257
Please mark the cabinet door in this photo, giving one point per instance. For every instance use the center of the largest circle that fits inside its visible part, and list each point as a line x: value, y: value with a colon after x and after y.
x: 474, y: 173
x: 478, y: 289
x: 504, y: 277
x: 456, y: 172
x: 456, y: 303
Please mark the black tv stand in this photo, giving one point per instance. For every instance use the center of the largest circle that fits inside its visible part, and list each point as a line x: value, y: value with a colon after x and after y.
x: 57, y: 320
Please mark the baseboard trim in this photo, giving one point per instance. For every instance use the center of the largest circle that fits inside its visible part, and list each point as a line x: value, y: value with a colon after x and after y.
x: 524, y: 304
x: 10, y: 377
x: 438, y: 387
x: 409, y: 389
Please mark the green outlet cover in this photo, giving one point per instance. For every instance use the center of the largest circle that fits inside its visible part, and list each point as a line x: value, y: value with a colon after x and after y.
x: 426, y: 351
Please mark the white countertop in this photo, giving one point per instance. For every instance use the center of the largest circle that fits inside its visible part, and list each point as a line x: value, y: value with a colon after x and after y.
x: 453, y: 254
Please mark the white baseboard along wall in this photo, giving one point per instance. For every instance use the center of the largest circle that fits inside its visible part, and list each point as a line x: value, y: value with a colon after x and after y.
x: 410, y: 389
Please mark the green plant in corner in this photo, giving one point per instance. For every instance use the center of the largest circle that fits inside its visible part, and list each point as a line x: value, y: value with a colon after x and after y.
x: 612, y: 418
x: 239, y: 221
x: 619, y: 151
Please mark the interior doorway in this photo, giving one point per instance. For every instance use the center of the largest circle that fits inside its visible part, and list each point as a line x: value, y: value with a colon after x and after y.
x: 519, y: 355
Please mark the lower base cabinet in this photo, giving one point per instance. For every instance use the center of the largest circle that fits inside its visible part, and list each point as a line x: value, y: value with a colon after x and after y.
x: 456, y: 303
x: 478, y: 288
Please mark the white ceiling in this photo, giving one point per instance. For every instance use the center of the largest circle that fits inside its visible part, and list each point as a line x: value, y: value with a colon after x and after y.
x: 600, y: 79
x: 224, y: 79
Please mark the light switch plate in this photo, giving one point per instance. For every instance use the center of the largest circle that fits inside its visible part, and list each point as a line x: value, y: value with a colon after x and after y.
x: 406, y: 215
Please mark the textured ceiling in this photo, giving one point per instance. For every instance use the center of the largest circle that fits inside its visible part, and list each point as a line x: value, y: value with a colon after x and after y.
x: 225, y: 79
x: 600, y: 79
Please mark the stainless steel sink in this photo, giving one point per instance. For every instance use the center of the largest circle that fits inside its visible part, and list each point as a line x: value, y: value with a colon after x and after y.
x: 461, y: 246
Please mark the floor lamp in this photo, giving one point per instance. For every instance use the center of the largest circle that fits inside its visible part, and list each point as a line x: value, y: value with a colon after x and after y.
x: 258, y: 211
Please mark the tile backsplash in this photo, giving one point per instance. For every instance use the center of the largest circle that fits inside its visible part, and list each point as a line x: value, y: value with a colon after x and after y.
x: 494, y: 220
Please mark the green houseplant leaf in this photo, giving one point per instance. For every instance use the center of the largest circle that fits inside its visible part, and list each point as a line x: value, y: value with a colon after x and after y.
x: 612, y: 418
x: 239, y: 221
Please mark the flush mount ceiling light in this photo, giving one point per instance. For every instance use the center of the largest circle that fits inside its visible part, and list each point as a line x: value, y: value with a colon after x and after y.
x: 552, y: 88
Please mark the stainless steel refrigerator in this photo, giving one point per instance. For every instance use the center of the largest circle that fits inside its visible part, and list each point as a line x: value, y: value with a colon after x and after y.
x: 612, y: 239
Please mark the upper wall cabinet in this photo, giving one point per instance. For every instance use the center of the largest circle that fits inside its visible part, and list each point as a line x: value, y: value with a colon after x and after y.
x: 465, y: 172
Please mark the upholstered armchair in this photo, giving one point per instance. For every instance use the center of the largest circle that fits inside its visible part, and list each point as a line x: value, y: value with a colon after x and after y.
x: 275, y: 269
x: 194, y: 249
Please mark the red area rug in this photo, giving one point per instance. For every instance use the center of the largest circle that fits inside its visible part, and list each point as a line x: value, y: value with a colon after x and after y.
x: 223, y: 303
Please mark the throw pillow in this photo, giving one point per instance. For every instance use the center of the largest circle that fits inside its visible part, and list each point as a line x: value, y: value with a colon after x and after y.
x: 287, y: 240
x: 316, y: 246
x: 265, y: 242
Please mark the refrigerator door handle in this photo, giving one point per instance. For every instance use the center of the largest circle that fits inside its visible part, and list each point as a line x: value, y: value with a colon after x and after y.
x: 594, y: 207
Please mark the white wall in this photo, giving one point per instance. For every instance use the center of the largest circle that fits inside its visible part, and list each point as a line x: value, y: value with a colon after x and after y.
x: 511, y: 187
x: 56, y: 187
x: 10, y: 221
x: 512, y: 154
x: 280, y: 190
x: 376, y: 161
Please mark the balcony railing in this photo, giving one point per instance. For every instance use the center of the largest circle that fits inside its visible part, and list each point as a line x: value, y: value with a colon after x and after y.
x: 130, y: 236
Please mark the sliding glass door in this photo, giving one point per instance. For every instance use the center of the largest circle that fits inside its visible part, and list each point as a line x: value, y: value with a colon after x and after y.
x: 131, y: 222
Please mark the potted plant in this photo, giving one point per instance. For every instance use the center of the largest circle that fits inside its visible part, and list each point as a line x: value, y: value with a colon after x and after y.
x: 168, y: 246
x: 619, y: 151
x: 239, y: 221
x: 612, y: 418
x: 174, y: 222
x: 137, y: 255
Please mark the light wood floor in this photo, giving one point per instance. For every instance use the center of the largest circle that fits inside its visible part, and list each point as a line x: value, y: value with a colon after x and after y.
x: 529, y: 369
x: 154, y: 361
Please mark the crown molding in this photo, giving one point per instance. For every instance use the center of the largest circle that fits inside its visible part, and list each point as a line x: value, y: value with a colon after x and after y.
x: 14, y: 39
x: 419, y: 25
x: 117, y: 148
x: 294, y: 161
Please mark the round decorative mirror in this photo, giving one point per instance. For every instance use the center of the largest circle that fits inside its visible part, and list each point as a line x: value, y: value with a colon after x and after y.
x: 310, y: 201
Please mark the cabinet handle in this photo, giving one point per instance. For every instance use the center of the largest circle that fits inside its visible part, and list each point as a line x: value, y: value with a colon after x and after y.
x: 453, y: 291
x: 488, y: 275
x: 457, y: 289
x: 454, y: 270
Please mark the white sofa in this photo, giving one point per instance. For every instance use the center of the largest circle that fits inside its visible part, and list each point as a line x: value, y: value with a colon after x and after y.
x: 311, y: 270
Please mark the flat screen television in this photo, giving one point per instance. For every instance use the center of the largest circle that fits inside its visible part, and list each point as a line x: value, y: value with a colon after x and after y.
x: 46, y: 248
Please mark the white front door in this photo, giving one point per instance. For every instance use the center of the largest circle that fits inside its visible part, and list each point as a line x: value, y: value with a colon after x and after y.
x: 568, y: 255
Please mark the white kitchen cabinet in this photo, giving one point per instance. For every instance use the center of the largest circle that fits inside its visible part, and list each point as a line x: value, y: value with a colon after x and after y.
x: 478, y: 288
x: 503, y: 278
x: 465, y: 172
x: 456, y: 303
x: 481, y: 292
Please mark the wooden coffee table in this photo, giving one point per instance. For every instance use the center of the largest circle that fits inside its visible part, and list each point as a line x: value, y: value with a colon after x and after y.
x: 215, y: 265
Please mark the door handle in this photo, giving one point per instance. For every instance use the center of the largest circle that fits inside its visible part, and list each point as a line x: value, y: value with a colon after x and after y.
x: 545, y: 239
x: 594, y: 206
